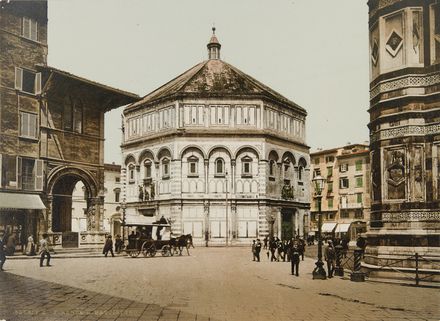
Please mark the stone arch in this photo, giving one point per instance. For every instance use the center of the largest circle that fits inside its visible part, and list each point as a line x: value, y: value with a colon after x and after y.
x: 247, y: 148
x: 288, y: 156
x: 164, y: 152
x: 219, y: 148
x: 83, y: 175
x: 129, y: 159
x: 302, y: 162
x: 189, y: 148
x: 146, y: 154
x: 61, y: 184
x: 273, y: 155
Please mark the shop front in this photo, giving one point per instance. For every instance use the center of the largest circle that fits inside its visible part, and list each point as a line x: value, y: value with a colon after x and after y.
x: 20, y: 217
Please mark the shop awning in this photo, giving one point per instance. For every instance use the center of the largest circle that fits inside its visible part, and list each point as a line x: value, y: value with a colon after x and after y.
x: 21, y: 201
x: 342, y: 227
x: 328, y: 227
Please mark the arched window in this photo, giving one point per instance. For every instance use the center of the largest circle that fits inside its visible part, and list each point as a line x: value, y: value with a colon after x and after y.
x: 147, y: 169
x: 272, y: 168
x: 286, y: 165
x: 117, y: 194
x: 131, y: 173
x: 165, y: 168
x: 301, y: 165
x: 219, y: 167
x: 193, y: 163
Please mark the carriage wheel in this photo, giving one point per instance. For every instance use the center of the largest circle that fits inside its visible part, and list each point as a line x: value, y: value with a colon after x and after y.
x: 145, y: 249
x: 134, y: 253
x: 151, y: 250
x: 166, y: 251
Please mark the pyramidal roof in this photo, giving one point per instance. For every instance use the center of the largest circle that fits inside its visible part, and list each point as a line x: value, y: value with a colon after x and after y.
x: 214, y: 78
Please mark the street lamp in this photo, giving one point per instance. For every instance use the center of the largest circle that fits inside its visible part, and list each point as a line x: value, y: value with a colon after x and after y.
x: 227, y: 218
x: 318, y: 184
x: 123, y: 206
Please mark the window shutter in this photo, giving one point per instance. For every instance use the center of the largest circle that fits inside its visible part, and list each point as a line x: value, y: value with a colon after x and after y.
x: 26, y: 31
x: 18, y: 172
x: 34, y: 30
x: 38, y: 83
x: 38, y: 170
x: 18, y: 78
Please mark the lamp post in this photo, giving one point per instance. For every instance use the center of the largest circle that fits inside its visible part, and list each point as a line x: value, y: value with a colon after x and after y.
x: 319, y: 272
x: 123, y: 206
x: 227, y: 216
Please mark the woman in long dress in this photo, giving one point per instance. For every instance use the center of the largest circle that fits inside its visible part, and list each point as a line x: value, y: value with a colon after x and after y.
x: 30, y: 246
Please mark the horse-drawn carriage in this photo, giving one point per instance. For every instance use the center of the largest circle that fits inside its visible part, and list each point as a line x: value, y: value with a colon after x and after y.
x: 156, y: 237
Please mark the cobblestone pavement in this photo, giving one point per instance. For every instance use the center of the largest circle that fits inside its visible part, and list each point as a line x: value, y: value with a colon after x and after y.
x: 211, y: 284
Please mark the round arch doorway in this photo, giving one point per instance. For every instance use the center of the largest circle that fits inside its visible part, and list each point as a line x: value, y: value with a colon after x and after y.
x: 62, y: 186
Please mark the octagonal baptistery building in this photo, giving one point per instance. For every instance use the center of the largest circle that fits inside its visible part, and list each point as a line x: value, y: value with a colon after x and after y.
x: 218, y: 154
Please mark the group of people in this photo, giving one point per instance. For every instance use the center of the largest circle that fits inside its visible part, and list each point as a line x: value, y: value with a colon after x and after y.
x: 108, y: 245
x: 44, y: 249
x: 287, y: 250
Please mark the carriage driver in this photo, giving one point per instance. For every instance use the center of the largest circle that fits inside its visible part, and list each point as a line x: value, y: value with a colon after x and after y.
x: 162, y: 220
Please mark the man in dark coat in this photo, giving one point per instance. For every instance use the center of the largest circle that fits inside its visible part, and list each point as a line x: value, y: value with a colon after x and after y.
x: 294, y: 259
x: 108, y: 246
x: 258, y: 250
x: 272, y: 248
x: 118, y: 244
x: 329, y: 255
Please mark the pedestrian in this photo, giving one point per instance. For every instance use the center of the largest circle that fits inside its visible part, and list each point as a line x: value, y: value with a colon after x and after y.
x: 108, y: 246
x: 258, y: 250
x: 278, y: 248
x: 253, y: 250
x: 44, y: 250
x: 2, y: 251
x: 344, y: 244
x: 294, y: 259
x: 272, y: 248
x: 118, y: 244
x: 30, y: 246
x: 329, y: 256
x: 10, y: 244
x: 265, y: 243
x: 302, y: 248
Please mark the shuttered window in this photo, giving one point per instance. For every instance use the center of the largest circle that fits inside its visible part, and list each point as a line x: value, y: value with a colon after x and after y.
x: 27, y: 81
x: 30, y: 29
x: 28, y: 126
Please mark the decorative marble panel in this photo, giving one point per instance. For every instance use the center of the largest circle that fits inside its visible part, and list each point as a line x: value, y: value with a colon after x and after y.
x: 405, y: 131
x: 405, y: 82
x: 412, y: 216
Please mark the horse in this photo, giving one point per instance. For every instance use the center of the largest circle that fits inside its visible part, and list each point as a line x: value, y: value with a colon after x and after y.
x: 183, y: 241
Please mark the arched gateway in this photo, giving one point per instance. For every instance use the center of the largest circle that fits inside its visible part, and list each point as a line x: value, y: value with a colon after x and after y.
x: 61, y: 183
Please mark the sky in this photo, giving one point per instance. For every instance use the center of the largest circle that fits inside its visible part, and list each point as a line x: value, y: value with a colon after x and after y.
x: 313, y: 52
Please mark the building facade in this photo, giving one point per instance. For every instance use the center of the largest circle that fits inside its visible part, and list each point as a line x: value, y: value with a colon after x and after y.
x: 219, y: 154
x: 112, y: 221
x: 51, y: 134
x: 345, y: 203
x: 404, y: 130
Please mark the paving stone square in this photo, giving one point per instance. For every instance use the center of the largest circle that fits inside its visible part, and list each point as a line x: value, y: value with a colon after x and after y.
x: 210, y: 284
